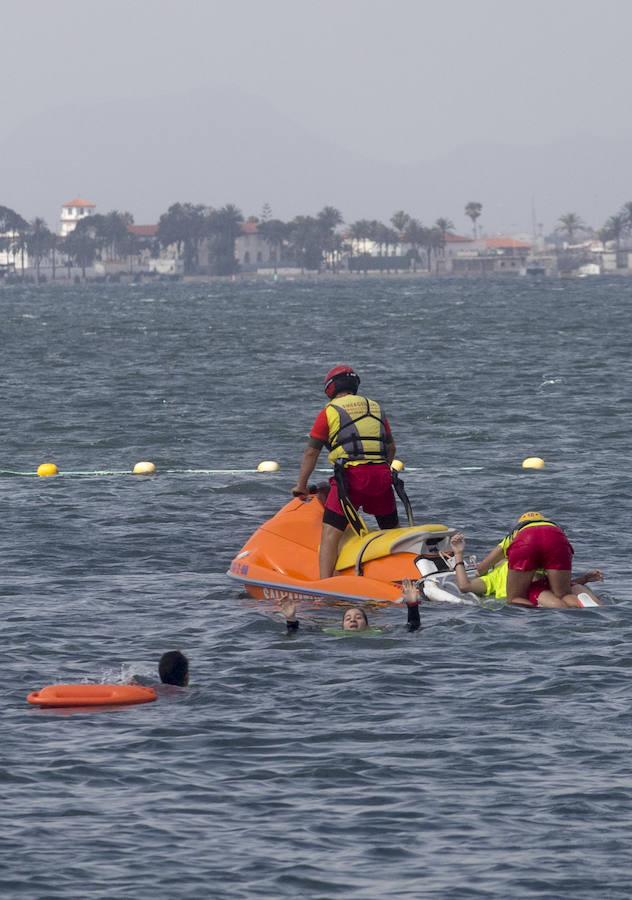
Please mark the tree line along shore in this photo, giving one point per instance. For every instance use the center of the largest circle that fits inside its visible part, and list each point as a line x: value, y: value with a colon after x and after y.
x: 199, y: 240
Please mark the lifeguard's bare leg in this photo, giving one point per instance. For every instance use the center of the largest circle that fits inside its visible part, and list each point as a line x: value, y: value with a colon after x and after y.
x: 560, y: 583
x: 328, y: 553
x: 518, y: 586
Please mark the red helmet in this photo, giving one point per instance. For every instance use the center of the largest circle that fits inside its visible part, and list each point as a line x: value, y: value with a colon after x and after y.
x: 332, y: 376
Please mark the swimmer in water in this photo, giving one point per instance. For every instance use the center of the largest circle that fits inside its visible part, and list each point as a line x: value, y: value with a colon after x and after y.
x: 173, y: 668
x: 355, y: 618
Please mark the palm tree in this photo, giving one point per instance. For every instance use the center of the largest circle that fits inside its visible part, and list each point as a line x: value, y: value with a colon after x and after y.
x: 328, y: 218
x: 8, y: 217
x: 571, y: 223
x: 21, y: 229
x: 626, y: 211
x: 13, y: 231
x: 55, y: 243
x: 81, y: 247
x: 306, y: 244
x: 444, y: 225
x: 414, y: 235
x: 614, y: 229
x: 95, y: 227
x: 224, y: 227
x: 433, y: 239
x: 184, y: 225
x: 382, y: 235
x: 338, y: 248
x: 473, y: 211
x: 385, y: 238
x: 400, y: 221
x: 274, y: 232
x: 361, y: 231
x: 120, y: 242
x: 38, y: 243
x: 392, y: 240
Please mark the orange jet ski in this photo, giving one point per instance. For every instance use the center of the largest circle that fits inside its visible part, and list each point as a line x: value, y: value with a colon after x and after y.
x: 281, y: 558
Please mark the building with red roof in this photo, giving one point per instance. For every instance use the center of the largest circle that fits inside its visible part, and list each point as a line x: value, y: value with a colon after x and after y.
x: 487, y: 256
x: 507, y: 245
x: 143, y: 231
x: 72, y: 212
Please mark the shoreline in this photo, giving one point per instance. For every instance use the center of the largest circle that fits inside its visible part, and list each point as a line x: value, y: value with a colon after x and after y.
x: 147, y: 278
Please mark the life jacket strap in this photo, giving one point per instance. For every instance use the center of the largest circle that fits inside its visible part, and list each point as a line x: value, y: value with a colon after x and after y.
x: 352, y: 515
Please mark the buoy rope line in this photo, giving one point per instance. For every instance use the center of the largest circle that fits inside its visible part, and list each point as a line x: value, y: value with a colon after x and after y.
x: 99, y: 472
x: 130, y: 472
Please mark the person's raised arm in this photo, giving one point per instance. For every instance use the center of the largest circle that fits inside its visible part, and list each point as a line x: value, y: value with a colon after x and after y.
x: 464, y: 583
x: 410, y: 596
x: 288, y: 608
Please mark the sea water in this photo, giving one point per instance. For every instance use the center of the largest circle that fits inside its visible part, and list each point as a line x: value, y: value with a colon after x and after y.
x: 487, y: 755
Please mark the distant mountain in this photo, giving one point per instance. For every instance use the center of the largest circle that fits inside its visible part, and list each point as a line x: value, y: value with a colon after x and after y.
x: 217, y: 147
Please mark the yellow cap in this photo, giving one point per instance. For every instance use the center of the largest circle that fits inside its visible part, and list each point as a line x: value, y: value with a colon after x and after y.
x: 530, y: 517
x: 398, y: 465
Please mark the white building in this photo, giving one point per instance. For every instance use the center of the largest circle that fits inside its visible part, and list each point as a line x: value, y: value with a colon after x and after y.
x: 252, y: 250
x: 13, y: 257
x: 73, y: 212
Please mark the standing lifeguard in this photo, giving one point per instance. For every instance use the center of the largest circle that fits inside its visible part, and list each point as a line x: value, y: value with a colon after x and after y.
x: 358, y: 437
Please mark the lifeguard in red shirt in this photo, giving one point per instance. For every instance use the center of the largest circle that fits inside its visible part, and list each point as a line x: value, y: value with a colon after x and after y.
x: 358, y: 436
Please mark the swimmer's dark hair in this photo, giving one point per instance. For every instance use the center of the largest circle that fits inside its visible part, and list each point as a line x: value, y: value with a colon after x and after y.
x: 173, y: 668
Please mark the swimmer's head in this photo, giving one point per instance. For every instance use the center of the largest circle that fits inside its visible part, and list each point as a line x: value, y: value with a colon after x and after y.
x: 173, y: 668
x: 530, y: 517
x: 355, y: 620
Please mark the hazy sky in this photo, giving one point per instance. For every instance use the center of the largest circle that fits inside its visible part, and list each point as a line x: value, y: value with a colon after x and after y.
x: 406, y: 80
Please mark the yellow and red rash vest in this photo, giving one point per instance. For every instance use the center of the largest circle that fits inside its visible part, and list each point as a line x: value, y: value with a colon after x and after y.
x: 357, y: 430
x: 496, y: 581
x: 509, y: 538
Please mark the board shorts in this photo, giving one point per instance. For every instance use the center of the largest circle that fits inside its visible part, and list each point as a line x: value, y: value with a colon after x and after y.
x: 536, y: 588
x: 370, y: 487
x: 540, y: 547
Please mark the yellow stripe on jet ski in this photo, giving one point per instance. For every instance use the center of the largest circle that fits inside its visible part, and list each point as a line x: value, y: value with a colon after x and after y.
x: 377, y: 544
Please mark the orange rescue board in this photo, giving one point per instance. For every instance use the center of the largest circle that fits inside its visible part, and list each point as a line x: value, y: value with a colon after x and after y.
x: 92, y: 695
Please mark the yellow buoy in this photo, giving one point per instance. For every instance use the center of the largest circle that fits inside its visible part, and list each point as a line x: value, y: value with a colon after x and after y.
x: 144, y: 468
x: 398, y: 465
x: 533, y: 462
x: 268, y: 465
x: 47, y: 469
